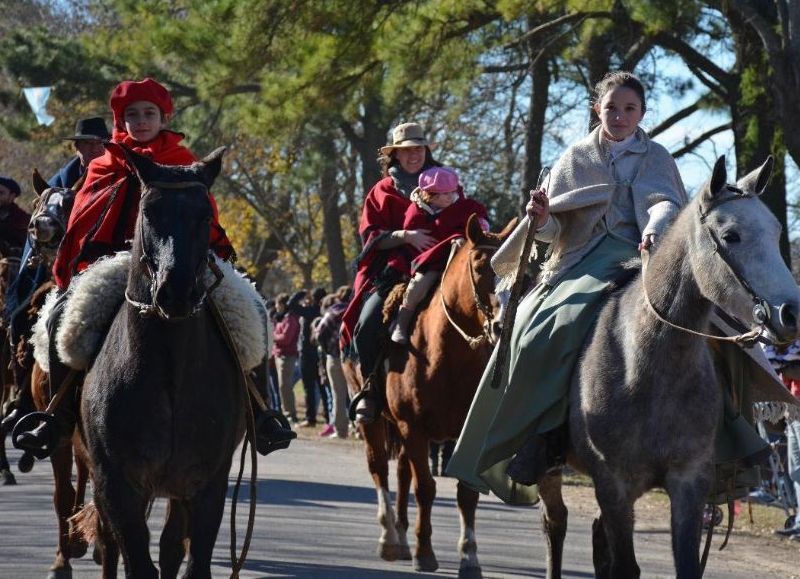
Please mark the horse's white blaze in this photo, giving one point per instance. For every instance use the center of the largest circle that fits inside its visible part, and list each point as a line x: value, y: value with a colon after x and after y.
x: 386, y: 519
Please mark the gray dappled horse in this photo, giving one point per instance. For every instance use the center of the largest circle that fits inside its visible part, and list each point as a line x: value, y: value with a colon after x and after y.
x: 162, y: 408
x: 645, y: 403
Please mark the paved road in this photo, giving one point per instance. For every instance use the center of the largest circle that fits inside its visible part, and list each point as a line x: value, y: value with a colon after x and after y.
x: 316, y: 518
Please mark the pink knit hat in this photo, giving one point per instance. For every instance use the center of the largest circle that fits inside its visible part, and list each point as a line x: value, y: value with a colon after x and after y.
x: 438, y: 180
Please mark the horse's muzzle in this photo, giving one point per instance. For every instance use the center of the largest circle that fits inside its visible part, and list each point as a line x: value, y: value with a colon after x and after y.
x: 45, y: 229
x: 175, y: 304
x: 784, y: 322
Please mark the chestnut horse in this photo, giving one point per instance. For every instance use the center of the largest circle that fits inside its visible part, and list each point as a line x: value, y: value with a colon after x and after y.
x: 429, y: 387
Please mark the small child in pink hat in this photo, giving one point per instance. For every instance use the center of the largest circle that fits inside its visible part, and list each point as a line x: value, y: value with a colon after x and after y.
x: 439, y: 206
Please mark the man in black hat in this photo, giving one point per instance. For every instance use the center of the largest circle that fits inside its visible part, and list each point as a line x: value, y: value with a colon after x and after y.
x: 88, y: 140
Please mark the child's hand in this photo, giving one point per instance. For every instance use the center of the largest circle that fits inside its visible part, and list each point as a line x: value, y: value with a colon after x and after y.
x: 419, y: 239
x: 538, y: 208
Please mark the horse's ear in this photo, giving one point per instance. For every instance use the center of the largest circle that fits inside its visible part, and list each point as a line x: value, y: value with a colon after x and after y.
x: 39, y: 184
x: 212, y: 165
x: 511, y: 226
x: 474, y: 232
x: 144, y: 168
x: 719, y: 177
x: 756, y: 181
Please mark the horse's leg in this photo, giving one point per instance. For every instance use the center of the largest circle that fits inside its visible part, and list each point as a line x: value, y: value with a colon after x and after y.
x: 63, y: 502
x: 6, y: 476
x: 205, y: 517
x: 601, y: 557
x: 77, y: 544
x: 403, y: 488
x: 425, y: 491
x: 467, y: 499
x: 617, y: 520
x: 554, y: 522
x: 378, y: 464
x: 687, y: 497
x: 171, y: 550
x: 123, y: 509
x: 108, y: 548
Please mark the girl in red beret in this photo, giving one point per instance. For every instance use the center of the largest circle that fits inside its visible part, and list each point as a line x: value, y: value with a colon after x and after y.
x: 103, y: 218
x: 102, y: 223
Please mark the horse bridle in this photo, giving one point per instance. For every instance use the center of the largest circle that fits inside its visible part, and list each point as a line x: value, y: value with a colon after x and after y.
x: 39, y: 210
x: 761, y: 310
x: 151, y: 309
x: 487, y: 334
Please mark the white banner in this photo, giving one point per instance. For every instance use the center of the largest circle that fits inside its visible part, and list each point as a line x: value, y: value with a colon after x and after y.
x: 37, y: 99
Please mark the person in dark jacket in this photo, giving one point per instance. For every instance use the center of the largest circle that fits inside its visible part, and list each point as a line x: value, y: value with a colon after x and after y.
x: 88, y: 143
x: 13, y: 219
x: 309, y: 358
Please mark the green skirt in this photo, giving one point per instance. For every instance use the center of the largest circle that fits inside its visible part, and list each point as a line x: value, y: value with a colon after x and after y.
x: 549, y: 331
x: 551, y: 326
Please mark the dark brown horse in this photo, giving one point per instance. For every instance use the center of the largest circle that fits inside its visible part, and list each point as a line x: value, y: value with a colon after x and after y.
x: 162, y: 407
x: 429, y: 387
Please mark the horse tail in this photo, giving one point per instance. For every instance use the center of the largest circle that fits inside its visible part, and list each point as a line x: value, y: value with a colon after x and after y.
x: 86, y: 523
x: 393, y: 440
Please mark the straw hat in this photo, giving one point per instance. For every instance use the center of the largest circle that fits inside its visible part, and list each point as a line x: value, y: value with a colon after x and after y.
x: 407, y: 135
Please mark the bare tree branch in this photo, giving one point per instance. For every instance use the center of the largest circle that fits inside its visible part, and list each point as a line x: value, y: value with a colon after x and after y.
x: 677, y: 117
x: 693, y: 58
x: 771, y: 40
x: 689, y: 147
x: 547, y: 26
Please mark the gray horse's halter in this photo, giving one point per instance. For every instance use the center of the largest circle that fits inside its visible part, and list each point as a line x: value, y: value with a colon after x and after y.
x: 146, y: 309
x: 487, y: 335
x: 761, y: 309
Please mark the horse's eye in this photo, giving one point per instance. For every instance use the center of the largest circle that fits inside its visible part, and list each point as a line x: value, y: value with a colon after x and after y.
x: 731, y: 237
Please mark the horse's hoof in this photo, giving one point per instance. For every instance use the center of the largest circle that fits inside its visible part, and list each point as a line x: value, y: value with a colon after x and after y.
x: 25, y: 463
x: 388, y: 552
x: 97, y: 556
x: 77, y: 548
x: 7, y: 477
x: 470, y: 573
x: 62, y: 573
x: 405, y: 553
x: 427, y: 564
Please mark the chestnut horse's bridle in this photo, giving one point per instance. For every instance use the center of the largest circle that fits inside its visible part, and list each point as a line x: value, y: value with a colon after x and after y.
x: 487, y: 335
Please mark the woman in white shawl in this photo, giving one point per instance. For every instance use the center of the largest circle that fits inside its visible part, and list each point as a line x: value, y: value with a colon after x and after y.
x: 609, y: 193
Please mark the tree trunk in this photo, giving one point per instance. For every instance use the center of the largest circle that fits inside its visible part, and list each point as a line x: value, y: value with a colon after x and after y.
x: 537, y: 111
x: 331, y: 223
x: 756, y: 124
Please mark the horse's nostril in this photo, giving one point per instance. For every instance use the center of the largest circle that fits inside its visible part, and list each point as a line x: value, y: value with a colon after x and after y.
x: 787, y: 316
x: 497, y: 328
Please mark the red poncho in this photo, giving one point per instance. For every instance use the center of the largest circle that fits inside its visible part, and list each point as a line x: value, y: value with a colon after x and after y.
x: 384, y: 211
x: 106, y: 207
x: 448, y: 224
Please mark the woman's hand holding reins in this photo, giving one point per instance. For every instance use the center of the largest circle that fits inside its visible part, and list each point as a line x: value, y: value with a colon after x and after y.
x: 419, y: 239
x: 648, y: 240
x: 538, y: 208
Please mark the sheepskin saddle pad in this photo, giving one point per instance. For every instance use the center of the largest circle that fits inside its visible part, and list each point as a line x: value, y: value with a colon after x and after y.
x: 96, y: 294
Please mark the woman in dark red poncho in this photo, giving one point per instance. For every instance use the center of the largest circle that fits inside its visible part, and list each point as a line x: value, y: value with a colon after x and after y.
x: 386, y: 257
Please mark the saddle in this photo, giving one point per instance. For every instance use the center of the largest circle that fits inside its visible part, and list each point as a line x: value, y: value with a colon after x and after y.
x: 96, y: 294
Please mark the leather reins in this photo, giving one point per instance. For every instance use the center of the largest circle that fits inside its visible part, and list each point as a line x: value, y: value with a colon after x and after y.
x: 486, y: 336
x: 761, y: 309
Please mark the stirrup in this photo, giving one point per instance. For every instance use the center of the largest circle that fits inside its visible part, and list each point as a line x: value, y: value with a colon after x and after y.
x: 27, y: 425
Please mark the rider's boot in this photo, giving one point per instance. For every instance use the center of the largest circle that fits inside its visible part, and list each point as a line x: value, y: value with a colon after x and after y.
x: 400, y: 333
x: 273, y: 431
x: 48, y: 435
x: 18, y: 408
x: 539, y: 455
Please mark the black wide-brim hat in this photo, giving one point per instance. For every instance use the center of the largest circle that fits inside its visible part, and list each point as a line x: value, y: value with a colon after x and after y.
x: 90, y: 129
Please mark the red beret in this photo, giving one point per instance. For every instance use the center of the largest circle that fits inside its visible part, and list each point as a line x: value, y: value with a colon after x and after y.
x: 130, y: 91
